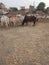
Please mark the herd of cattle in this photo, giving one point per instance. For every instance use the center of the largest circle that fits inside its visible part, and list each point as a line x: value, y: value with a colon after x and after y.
x: 16, y: 19
x: 10, y: 21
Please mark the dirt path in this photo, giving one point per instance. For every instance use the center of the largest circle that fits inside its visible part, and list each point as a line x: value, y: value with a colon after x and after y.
x: 25, y: 45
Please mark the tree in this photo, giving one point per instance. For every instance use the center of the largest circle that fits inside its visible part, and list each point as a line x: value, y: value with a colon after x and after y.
x: 41, y: 7
x: 15, y: 9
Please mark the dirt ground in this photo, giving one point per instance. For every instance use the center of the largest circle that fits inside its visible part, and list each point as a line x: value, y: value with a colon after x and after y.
x: 25, y: 45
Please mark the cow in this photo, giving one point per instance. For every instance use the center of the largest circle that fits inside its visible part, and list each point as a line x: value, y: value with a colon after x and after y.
x: 13, y: 20
x: 16, y: 20
x: 29, y: 19
x: 4, y: 20
x: 19, y: 19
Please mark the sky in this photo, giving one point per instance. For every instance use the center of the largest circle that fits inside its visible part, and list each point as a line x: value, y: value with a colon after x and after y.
x: 26, y: 3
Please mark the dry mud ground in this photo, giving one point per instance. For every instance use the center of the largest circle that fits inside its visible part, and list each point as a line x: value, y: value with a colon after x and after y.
x: 25, y: 45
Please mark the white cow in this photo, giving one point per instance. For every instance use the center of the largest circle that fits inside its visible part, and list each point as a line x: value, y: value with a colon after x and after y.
x: 4, y: 20
x: 19, y: 19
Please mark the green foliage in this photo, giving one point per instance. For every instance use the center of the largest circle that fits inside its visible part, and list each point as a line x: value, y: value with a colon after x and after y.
x: 41, y: 7
x: 15, y: 9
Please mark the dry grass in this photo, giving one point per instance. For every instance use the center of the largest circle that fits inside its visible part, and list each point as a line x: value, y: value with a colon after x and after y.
x: 25, y: 45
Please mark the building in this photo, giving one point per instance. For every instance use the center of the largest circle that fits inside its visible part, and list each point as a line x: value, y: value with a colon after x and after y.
x: 2, y: 6
x: 3, y: 9
x: 31, y: 9
x: 27, y: 10
x: 47, y: 10
x: 22, y: 10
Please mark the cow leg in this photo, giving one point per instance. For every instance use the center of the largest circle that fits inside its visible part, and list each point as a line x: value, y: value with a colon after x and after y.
x: 6, y: 24
x: 1, y: 24
x: 22, y: 23
x: 33, y: 23
x: 26, y: 23
x: 14, y: 24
